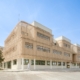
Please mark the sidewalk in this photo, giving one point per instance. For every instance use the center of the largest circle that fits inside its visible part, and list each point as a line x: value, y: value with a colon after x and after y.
x: 50, y: 70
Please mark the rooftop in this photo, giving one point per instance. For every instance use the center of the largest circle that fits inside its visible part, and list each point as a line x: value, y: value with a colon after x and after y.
x: 36, y: 24
x: 63, y: 38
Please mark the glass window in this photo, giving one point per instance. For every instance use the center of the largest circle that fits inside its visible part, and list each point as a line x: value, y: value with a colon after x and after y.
x: 67, y: 54
x: 32, y: 62
x: 44, y: 49
x: 59, y: 63
x: 40, y: 62
x: 26, y: 61
x: 4, y: 65
x: 29, y: 45
x: 14, y: 62
x: 57, y: 52
x: 77, y: 64
x: 43, y: 36
x: 54, y: 63
x: 63, y: 63
x: 48, y: 62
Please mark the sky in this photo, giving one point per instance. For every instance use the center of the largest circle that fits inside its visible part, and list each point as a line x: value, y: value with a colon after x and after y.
x: 61, y: 16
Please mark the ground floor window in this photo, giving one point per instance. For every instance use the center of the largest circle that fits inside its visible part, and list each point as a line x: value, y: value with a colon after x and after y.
x: 78, y: 64
x: 40, y: 62
x: 48, y: 62
x: 59, y: 63
x: 26, y: 61
x: 63, y: 63
x: 54, y: 63
x: 32, y: 62
x: 14, y: 62
x: 4, y: 65
x: 74, y: 64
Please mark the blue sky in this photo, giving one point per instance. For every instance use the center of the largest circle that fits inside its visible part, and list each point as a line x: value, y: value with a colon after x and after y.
x: 61, y: 16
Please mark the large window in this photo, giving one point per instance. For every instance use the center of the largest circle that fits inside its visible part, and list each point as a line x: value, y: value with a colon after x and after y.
x: 44, y: 49
x: 59, y: 63
x: 66, y: 54
x: 43, y: 36
x: 14, y: 62
x: 48, y: 62
x: 28, y: 45
x: 40, y: 62
x: 26, y: 61
x: 57, y: 52
x: 32, y: 62
x: 63, y: 63
x: 54, y: 63
x: 74, y: 64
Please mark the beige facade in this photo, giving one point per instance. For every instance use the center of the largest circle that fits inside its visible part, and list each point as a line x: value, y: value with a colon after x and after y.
x: 33, y: 46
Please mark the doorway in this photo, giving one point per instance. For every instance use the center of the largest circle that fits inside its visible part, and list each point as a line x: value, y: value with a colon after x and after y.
x: 9, y: 64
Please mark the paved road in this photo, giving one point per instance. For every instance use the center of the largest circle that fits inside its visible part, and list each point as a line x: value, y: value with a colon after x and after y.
x: 40, y: 75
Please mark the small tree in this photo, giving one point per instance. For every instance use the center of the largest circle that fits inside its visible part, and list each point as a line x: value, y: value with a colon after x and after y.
x: 1, y: 57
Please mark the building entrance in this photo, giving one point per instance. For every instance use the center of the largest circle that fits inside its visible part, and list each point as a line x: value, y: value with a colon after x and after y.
x: 9, y: 64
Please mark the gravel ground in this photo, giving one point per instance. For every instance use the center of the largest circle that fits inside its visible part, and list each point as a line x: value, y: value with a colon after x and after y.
x: 41, y: 75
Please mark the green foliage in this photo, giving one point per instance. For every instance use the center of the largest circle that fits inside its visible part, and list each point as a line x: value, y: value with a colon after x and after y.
x: 1, y: 57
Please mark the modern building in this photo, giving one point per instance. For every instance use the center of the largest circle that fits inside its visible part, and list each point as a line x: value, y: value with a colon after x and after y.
x: 33, y: 46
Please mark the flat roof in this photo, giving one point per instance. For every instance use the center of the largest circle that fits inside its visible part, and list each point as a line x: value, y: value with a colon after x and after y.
x: 63, y: 38
x: 77, y: 45
x: 36, y: 24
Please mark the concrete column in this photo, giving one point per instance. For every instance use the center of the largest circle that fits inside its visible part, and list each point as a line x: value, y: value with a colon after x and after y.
x: 76, y: 65
x: 50, y: 64
x: 70, y: 65
x: 22, y: 63
x: 62, y: 64
x: 29, y: 63
x: 34, y: 64
x: 18, y: 63
x: 45, y: 63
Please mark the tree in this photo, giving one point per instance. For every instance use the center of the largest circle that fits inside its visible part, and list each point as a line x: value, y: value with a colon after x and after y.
x: 1, y: 57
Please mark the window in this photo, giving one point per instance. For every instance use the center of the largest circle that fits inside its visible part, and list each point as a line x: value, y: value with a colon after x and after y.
x: 48, y: 62
x: 40, y: 62
x: 77, y: 64
x: 14, y: 62
x: 26, y: 61
x: 43, y: 36
x: 59, y: 63
x: 54, y: 63
x: 63, y: 63
x: 24, y: 33
x: 67, y: 45
x: 32, y: 62
x: 39, y: 48
x: 57, y: 52
x: 74, y: 64
x: 66, y: 54
x: 29, y: 45
x: 44, y: 49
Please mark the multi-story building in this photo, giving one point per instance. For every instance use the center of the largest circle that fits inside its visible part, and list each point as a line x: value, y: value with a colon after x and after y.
x: 33, y: 46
